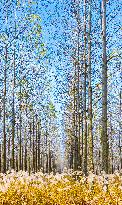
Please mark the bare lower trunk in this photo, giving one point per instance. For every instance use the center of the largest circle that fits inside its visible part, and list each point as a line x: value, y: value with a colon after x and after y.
x: 85, y: 72
x: 33, y: 147
x: 13, y: 119
x: 4, y: 115
x: 120, y: 139
x: 90, y: 94
x: 104, y: 93
x: 39, y: 146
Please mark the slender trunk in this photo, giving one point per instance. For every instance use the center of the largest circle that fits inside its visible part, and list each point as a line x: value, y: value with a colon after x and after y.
x: 22, y: 158
x: 20, y: 119
x: 110, y: 146
x: 20, y: 136
x: 8, y: 163
x: 16, y: 163
x: 30, y: 149
x: 75, y: 122
x: 17, y: 148
x: 104, y: 93
x: 82, y: 143
x: 120, y: 140
x: 4, y: 114
x: 39, y: 146
x: 25, y: 151
x: 85, y: 72
x: 49, y: 159
x: 46, y: 152
x: 71, y: 155
x: 79, y: 99
x: 0, y: 158
x: 36, y: 146
x: 90, y: 93
x: 33, y: 147
x: 13, y: 119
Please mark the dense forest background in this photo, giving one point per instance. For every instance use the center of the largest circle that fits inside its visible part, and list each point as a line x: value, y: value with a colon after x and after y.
x: 60, y: 85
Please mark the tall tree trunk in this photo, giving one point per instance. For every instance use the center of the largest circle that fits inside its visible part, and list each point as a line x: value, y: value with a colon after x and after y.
x: 120, y: 139
x: 79, y: 98
x: 20, y: 128
x: 82, y: 142
x: 33, y: 146
x: 16, y: 163
x: 46, y: 152
x: 25, y: 150
x: 22, y: 158
x: 20, y: 137
x: 91, y: 166
x: 30, y: 168
x: 17, y: 152
x: 4, y: 115
x: 13, y: 119
x: 71, y: 155
x: 39, y: 130
x: 49, y: 159
x: 8, y: 162
x: 85, y: 72
x: 104, y: 93
x: 36, y: 146
x: 112, y: 167
x: 0, y: 158
x: 75, y: 122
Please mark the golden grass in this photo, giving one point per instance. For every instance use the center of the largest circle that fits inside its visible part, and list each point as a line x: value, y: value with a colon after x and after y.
x: 22, y: 189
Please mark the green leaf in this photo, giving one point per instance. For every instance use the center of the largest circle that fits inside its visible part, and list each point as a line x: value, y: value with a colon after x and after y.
x: 43, y: 52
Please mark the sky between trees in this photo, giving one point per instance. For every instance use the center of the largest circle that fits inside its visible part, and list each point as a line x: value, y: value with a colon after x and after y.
x: 52, y: 84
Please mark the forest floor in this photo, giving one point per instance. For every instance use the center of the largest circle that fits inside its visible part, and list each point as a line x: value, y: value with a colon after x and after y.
x: 18, y: 188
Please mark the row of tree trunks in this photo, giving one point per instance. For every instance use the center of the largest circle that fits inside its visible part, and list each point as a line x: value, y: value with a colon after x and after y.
x: 47, y: 164
x: 82, y: 156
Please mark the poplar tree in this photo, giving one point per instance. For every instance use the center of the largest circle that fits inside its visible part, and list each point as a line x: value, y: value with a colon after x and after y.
x: 105, y: 146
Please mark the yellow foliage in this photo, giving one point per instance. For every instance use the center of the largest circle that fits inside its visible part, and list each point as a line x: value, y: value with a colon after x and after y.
x: 59, y: 190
